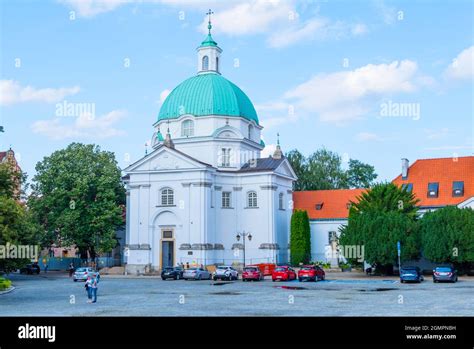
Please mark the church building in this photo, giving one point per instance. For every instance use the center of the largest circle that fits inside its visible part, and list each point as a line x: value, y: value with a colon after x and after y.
x: 203, y: 195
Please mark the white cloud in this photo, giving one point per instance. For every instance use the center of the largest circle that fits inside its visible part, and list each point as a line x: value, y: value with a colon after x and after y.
x: 268, y: 150
x: 462, y: 66
x: 11, y: 92
x: 91, y: 8
x: 436, y: 134
x: 250, y: 17
x: 165, y: 93
x: 339, y: 97
x: 318, y: 28
x: 367, y: 136
x: 387, y: 13
x: 85, y: 126
x: 275, y: 113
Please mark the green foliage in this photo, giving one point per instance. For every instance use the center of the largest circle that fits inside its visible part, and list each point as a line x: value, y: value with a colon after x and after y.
x: 77, y: 197
x: 323, y: 170
x: 300, y: 238
x: 4, y: 284
x: 447, y: 235
x: 382, y: 216
x: 360, y: 175
x: 16, y: 224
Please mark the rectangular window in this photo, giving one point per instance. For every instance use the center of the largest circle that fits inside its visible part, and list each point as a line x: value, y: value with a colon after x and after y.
x: 280, y: 202
x: 226, y: 199
x: 458, y: 188
x: 225, y: 157
x: 167, y: 234
x: 408, y: 187
x: 332, y: 236
x: 212, y: 198
x: 433, y: 189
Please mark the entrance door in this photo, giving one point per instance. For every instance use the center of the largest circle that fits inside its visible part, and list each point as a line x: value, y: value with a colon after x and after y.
x: 167, y: 250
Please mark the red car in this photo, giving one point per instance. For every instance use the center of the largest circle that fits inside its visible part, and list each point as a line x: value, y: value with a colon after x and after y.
x: 252, y: 273
x: 283, y: 273
x: 311, y: 273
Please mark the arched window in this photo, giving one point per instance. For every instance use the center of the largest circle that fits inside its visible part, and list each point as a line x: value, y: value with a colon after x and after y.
x: 217, y: 64
x: 167, y: 197
x: 252, y: 199
x: 187, y: 128
x: 250, y: 132
x: 205, y: 63
x: 280, y: 201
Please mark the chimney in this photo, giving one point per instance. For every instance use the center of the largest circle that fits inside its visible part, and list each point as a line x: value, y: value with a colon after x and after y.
x: 405, y: 164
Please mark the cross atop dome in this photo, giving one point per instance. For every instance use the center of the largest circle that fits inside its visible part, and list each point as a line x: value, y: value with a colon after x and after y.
x: 209, y: 25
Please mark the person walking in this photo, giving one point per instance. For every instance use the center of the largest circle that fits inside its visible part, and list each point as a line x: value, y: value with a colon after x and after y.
x: 71, y: 269
x: 93, y: 286
x: 88, y: 289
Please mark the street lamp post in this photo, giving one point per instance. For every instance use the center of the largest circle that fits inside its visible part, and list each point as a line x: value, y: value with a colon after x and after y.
x: 244, y: 235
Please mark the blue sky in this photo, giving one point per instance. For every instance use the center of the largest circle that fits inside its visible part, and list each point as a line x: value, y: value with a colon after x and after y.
x: 321, y: 73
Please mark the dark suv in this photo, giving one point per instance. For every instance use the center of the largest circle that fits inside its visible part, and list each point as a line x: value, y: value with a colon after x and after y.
x: 175, y: 273
x: 445, y: 273
x: 30, y: 269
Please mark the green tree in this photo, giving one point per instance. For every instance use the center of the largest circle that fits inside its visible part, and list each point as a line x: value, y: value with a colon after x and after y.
x: 447, y: 235
x: 360, y: 175
x: 298, y: 163
x: 77, y: 198
x: 382, y: 216
x: 300, y: 238
x: 323, y: 170
x: 16, y: 225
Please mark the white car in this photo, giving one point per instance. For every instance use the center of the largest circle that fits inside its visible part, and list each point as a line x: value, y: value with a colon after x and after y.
x: 225, y: 272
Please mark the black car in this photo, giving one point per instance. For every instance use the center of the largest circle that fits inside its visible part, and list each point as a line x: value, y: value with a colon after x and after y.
x: 175, y: 273
x: 408, y: 274
x: 30, y: 269
x: 445, y: 273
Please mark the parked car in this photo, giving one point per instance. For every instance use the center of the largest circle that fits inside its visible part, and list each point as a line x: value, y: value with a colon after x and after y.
x: 283, y: 273
x: 445, y: 273
x: 196, y: 274
x: 81, y: 274
x: 225, y: 272
x: 30, y: 269
x: 252, y: 273
x: 410, y: 274
x: 311, y: 273
x: 175, y: 273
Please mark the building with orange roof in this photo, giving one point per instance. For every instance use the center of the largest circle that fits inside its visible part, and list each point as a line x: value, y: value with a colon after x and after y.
x: 435, y: 182
x: 439, y: 182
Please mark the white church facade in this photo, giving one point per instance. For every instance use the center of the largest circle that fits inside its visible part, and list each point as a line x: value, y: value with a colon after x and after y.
x: 203, y: 193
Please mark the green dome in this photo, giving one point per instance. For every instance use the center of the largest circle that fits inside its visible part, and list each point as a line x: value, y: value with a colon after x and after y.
x: 207, y: 94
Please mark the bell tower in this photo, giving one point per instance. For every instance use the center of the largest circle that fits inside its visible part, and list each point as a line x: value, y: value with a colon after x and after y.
x: 208, y: 52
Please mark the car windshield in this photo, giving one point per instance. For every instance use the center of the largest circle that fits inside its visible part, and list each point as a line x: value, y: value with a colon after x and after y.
x: 81, y: 269
x: 443, y: 269
x: 168, y: 269
x: 409, y: 270
x: 250, y: 269
x: 280, y: 269
x: 222, y: 268
x: 307, y: 268
x: 193, y: 269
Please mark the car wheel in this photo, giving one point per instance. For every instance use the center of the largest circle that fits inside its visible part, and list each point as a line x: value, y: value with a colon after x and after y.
x: 75, y: 280
x: 300, y: 279
x: 401, y: 281
x: 210, y: 277
x: 199, y: 277
x: 273, y: 280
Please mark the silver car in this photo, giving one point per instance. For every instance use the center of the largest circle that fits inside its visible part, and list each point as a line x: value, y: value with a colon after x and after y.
x: 83, y: 273
x: 196, y: 274
x: 225, y: 272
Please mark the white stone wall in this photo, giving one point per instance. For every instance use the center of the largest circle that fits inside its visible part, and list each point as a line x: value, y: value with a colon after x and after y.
x: 320, y: 237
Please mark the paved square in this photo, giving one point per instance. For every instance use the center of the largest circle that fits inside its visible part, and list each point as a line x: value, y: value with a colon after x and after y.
x: 51, y: 295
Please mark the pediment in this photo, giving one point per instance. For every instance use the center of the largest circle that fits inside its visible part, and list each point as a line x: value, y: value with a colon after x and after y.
x: 164, y: 159
x: 285, y: 169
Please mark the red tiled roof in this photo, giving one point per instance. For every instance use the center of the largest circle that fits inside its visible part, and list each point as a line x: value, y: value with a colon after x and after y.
x: 444, y: 171
x: 334, y: 202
